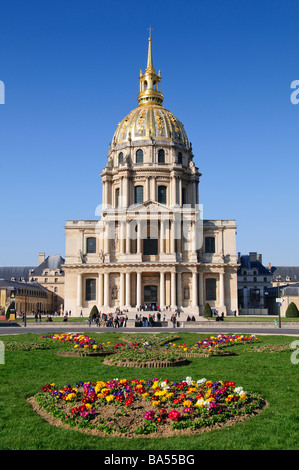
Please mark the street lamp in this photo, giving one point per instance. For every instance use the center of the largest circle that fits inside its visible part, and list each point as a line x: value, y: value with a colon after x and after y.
x: 278, y: 279
x: 25, y: 323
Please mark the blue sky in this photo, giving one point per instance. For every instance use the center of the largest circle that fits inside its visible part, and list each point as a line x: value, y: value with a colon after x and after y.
x: 70, y: 70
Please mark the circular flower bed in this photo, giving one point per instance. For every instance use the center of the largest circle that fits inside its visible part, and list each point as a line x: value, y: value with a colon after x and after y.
x: 214, y: 345
x: 83, y: 345
x: 146, y: 355
x: 139, y: 407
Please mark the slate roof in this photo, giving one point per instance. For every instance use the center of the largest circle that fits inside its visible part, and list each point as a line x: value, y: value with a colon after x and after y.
x: 17, y: 272
x: 14, y: 285
x: 245, y: 263
x: 51, y: 262
x: 286, y: 271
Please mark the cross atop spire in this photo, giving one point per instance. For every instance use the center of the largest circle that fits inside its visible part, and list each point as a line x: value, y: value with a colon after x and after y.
x: 150, y: 32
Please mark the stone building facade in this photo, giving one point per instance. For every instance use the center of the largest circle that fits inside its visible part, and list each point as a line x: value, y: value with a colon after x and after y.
x: 150, y: 246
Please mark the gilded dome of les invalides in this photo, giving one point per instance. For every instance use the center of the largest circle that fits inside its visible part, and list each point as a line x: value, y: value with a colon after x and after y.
x: 150, y: 120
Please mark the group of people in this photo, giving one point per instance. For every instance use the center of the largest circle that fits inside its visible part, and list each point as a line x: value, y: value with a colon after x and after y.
x: 109, y: 320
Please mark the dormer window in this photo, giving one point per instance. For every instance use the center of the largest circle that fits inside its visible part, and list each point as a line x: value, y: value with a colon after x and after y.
x: 120, y: 158
x: 161, y: 156
x: 138, y: 194
x: 139, y: 156
x: 91, y: 245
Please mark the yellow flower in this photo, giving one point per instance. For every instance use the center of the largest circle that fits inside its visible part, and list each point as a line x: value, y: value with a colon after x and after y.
x: 109, y: 398
x: 187, y: 403
x: 156, y: 403
x: 88, y: 405
x: 145, y: 395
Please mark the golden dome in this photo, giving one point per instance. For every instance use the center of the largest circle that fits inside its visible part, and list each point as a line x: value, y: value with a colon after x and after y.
x: 150, y: 120
x: 146, y: 122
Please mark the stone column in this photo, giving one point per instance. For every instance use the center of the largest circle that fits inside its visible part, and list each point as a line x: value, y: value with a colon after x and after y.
x: 162, y: 236
x: 201, y: 299
x: 172, y: 237
x: 100, y: 290
x: 138, y: 289
x: 128, y: 289
x: 179, y: 289
x: 180, y: 192
x: 122, y: 290
x: 162, y: 289
x: 139, y: 237
x: 173, y: 289
x: 106, y: 239
x: 221, y: 289
x: 173, y: 190
x: 79, y: 290
x: 128, y: 238
x: 106, y: 290
x: 194, y: 290
x: 122, y: 238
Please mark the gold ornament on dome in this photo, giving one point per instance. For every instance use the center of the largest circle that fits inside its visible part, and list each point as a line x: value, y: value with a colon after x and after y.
x: 159, y: 121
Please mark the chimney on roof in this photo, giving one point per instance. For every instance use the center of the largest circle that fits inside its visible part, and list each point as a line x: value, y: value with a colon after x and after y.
x: 270, y: 267
x: 41, y: 258
x: 259, y: 258
x: 253, y: 256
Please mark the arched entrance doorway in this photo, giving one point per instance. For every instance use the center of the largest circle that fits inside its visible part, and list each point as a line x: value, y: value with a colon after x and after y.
x: 150, y: 295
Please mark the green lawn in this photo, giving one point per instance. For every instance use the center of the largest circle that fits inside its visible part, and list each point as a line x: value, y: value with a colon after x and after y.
x: 271, y: 374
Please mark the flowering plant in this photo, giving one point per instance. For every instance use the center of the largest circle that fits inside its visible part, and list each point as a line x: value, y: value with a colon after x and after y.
x: 144, y: 407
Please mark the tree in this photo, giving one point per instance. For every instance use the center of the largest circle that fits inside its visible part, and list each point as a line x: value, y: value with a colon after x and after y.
x: 207, y: 313
x: 292, y: 311
x: 94, y: 312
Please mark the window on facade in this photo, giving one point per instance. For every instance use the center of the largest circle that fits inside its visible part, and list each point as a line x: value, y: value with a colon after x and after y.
x: 161, y: 156
x: 91, y: 245
x: 180, y: 158
x: 150, y: 246
x: 120, y: 158
x: 162, y: 194
x: 90, y: 292
x: 186, y: 293
x: 210, y: 289
x: 55, y: 289
x: 139, y: 156
x: 117, y: 197
x: 46, y: 279
x: 184, y: 199
x: 210, y: 244
x: 138, y: 194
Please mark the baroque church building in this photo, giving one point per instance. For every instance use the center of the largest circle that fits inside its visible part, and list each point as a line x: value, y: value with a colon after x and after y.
x: 150, y: 247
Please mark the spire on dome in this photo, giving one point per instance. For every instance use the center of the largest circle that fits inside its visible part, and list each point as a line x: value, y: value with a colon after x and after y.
x: 149, y: 54
x: 149, y: 81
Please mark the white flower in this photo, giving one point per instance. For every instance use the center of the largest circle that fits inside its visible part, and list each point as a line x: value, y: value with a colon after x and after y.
x: 189, y: 380
x: 202, y: 381
x: 164, y: 385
